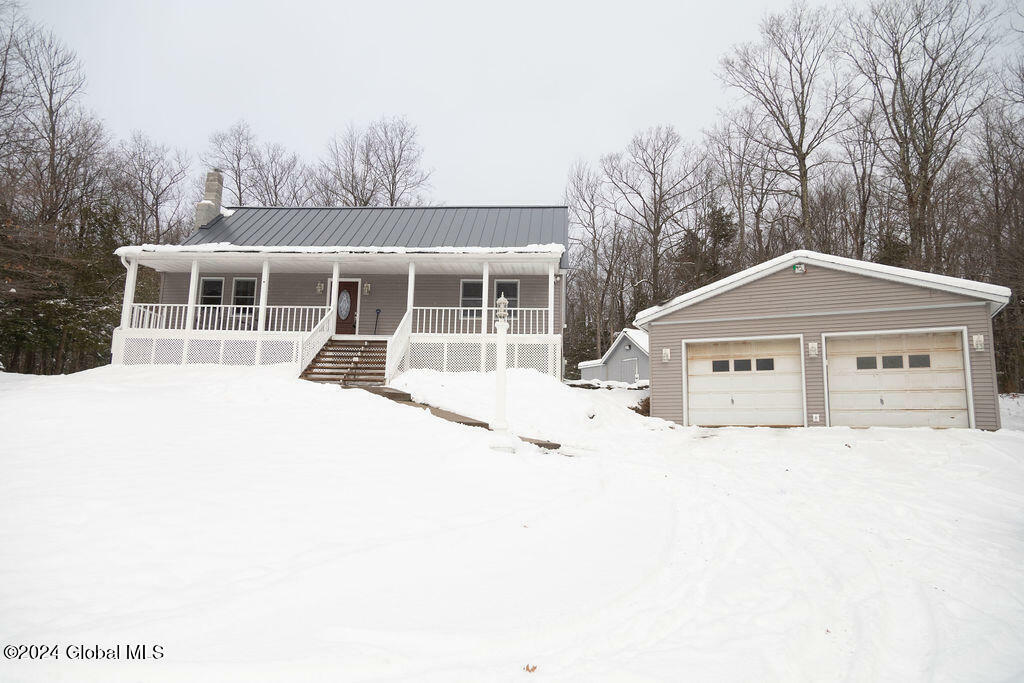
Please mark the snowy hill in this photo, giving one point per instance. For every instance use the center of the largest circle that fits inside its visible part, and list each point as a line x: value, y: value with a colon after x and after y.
x: 261, y: 528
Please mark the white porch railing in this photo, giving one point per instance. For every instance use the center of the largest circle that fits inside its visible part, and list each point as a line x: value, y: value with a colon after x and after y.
x: 449, y: 320
x: 315, y: 340
x: 226, y: 318
x: 297, y: 318
x: 398, y: 345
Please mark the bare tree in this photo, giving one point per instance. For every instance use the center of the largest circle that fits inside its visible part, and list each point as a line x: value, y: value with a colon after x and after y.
x: 791, y: 76
x: 277, y: 177
x: 925, y: 64
x: 347, y: 175
x: 151, y: 179
x: 59, y: 133
x: 397, y: 161
x: 600, y: 243
x: 13, y: 87
x: 746, y: 171
x: 860, y: 155
x: 232, y: 152
x: 649, y: 186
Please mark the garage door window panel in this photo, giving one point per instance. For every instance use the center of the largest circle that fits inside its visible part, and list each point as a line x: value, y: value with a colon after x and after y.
x: 741, y: 365
x: 919, y: 360
x: 764, y: 364
x: 719, y: 366
x: 867, y: 363
x: 892, y: 362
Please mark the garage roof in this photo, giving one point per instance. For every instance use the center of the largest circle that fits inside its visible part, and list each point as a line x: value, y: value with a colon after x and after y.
x: 997, y: 295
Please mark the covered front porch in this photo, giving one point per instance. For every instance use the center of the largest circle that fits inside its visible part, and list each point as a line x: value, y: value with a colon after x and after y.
x: 263, y: 306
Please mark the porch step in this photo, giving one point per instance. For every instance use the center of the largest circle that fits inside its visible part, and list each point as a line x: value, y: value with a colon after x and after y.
x: 349, y: 362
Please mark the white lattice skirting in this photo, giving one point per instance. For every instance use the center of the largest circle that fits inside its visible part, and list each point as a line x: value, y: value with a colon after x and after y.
x: 477, y: 353
x: 163, y: 347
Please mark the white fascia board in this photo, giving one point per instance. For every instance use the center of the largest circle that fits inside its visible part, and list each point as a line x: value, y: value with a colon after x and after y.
x: 995, y: 293
x: 589, y: 363
x: 221, y: 248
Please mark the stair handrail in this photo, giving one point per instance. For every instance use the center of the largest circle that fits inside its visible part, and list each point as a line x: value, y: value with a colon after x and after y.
x: 397, y: 347
x: 315, y: 340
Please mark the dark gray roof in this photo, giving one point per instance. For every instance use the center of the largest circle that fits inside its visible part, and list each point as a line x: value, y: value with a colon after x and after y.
x: 443, y: 226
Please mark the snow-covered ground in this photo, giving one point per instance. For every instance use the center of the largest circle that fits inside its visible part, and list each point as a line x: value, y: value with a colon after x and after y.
x: 263, y: 528
x: 1011, y: 411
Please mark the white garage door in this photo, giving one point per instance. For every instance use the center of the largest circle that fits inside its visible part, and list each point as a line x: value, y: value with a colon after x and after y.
x: 745, y: 383
x: 897, y: 380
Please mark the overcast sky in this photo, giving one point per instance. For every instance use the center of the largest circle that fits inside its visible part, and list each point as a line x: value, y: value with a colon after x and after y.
x: 505, y: 96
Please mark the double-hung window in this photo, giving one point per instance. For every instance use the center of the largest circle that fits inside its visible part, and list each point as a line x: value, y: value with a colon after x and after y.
x: 244, y: 293
x: 471, y: 298
x: 211, y: 291
x: 509, y: 289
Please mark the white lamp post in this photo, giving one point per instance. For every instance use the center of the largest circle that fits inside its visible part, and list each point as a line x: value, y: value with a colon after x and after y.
x: 503, y: 441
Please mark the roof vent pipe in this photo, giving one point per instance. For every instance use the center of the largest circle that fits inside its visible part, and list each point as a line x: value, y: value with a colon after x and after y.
x: 209, y: 208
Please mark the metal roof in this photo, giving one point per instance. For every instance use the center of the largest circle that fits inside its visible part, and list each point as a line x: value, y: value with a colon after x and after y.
x: 441, y: 226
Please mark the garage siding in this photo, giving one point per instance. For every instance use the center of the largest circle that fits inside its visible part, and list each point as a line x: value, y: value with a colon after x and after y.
x: 810, y: 304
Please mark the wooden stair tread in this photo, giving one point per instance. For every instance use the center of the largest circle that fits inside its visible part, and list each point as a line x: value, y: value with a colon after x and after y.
x: 349, y: 362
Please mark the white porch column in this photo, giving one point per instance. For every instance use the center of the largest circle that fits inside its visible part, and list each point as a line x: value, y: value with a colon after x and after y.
x: 551, y: 298
x: 264, y: 282
x: 412, y: 285
x: 193, y: 287
x: 483, y: 316
x: 333, y: 296
x: 130, y: 279
x: 190, y: 316
x: 486, y: 288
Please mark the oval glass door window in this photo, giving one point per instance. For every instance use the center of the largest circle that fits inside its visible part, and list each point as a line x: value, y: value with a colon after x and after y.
x: 344, y: 304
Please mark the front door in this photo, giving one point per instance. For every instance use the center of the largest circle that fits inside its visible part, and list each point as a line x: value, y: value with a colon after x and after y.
x: 348, y: 305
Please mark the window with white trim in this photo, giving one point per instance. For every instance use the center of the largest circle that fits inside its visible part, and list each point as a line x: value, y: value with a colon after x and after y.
x: 243, y: 291
x: 509, y: 289
x: 471, y: 296
x: 211, y: 291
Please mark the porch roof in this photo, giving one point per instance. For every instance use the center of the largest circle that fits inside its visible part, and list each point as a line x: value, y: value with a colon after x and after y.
x: 233, y: 258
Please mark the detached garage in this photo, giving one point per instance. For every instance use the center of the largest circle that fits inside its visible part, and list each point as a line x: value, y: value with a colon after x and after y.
x: 810, y: 339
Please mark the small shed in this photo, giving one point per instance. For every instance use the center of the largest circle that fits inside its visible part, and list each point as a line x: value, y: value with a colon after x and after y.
x: 626, y: 360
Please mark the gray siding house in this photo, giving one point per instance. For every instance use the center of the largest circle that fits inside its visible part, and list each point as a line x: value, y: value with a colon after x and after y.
x: 813, y: 339
x: 625, y: 360
x: 354, y: 295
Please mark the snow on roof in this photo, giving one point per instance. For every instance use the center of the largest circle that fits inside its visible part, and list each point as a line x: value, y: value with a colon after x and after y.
x: 638, y: 337
x: 995, y: 293
x: 227, y: 247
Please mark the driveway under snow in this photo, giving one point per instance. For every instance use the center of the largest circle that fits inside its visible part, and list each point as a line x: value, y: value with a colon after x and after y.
x: 263, y: 528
